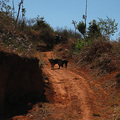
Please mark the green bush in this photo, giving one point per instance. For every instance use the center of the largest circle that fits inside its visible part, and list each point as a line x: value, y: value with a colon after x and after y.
x: 79, y: 44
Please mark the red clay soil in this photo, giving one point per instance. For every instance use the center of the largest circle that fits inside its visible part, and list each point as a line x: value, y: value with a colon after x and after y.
x: 70, y: 96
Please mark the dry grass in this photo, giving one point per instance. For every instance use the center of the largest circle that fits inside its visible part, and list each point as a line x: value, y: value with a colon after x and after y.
x: 101, y: 54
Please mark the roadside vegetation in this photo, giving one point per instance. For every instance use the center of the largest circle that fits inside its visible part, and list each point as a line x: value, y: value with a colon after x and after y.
x: 23, y: 36
x: 96, y: 49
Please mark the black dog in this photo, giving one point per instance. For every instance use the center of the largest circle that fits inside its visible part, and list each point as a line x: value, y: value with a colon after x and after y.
x: 65, y: 62
x: 55, y: 61
x: 60, y: 62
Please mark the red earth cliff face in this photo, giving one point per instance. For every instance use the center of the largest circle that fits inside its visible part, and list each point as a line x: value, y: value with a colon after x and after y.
x: 20, y: 81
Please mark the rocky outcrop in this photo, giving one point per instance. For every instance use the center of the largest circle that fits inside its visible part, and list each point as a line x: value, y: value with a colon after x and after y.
x: 20, y: 81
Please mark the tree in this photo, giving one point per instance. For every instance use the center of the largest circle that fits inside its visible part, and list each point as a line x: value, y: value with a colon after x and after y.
x: 107, y: 26
x: 23, y: 11
x: 93, y: 29
x: 41, y: 24
x: 13, y: 9
x: 85, y: 16
x: 81, y: 27
x: 75, y: 26
x: 4, y: 7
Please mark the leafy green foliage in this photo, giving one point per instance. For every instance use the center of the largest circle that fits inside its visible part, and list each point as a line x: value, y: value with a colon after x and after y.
x: 40, y: 24
x: 82, y: 43
x: 93, y: 30
x: 107, y: 26
x: 81, y: 27
x: 79, y: 45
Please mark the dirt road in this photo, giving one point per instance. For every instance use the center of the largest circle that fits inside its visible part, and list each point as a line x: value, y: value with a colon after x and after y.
x: 68, y: 93
x: 71, y: 94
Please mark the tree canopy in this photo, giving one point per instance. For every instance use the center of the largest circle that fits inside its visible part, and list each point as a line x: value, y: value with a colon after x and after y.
x: 107, y: 26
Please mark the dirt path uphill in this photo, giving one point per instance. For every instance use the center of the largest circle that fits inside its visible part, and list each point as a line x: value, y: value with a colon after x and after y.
x: 71, y: 94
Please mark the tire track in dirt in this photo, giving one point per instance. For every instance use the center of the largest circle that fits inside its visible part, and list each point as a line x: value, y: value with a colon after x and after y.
x: 69, y: 87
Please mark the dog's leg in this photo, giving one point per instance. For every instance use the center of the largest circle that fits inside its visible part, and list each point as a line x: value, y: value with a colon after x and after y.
x: 62, y: 64
x: 52, y: 66
x: 59, y: 67
x: 66, y: 64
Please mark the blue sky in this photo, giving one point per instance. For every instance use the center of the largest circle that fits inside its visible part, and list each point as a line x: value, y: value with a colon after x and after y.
x: 60, y: 13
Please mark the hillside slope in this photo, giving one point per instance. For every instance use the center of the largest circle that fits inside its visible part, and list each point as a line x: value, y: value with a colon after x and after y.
x: 72, y: 95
